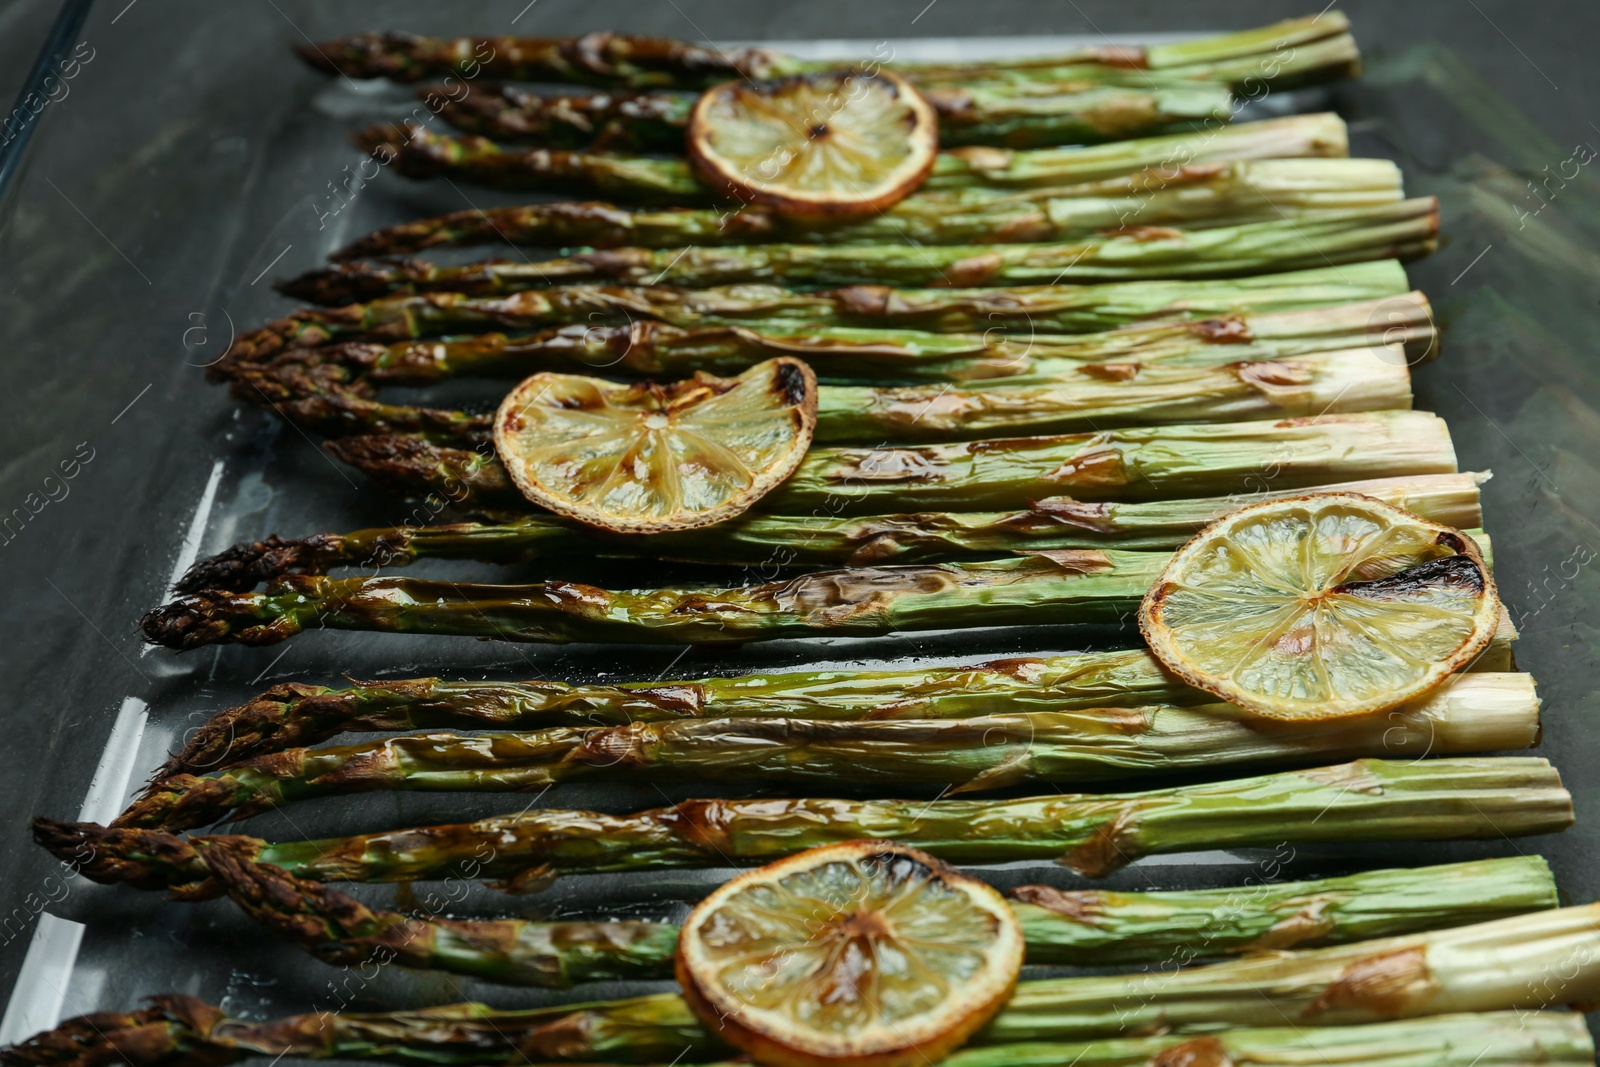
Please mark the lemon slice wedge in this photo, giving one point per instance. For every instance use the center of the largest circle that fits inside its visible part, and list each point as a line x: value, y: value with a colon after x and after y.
x: 866, y: 952
x: 1321, y: 606
x: 833, y: 143
x: 647, y: 458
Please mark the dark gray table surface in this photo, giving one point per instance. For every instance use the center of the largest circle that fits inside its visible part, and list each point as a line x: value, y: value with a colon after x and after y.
x: 184, y: 171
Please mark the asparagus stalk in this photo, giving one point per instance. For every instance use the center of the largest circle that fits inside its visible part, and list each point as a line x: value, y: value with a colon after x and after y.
x: 1066, y: 586
x: 1319, y: 134
x: 1321, y: 53
x: 179, y: 1029
x: 1473, y: 714
x: 1049, y: 309
x: 1041, y: 587
x: 1153, y: 463
x: 778, y: 540
x: 843, y: 353
x: 417, y: 152
x: 422, y: 153
x: 1060, y: 109
x: 1093, y: 834
x: 1122, y: 394
x: 656, y: 122
x: 992, y: 114
x: 1134, y: 464
x: 1214, y: 194
x: 632, y: 61
x: 1404, y: 229
x: 1125, y: 928
x: 294, y: 714
x: 1092, y: 396
x: 978, y: 118
x: 619, y: 121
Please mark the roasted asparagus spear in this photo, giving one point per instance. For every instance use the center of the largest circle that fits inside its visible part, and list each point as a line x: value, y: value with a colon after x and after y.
x: 1094, y: 834
x: 1127, y: 928
x: 806, y: 540
x: 295, y: 714
x: 329, y: 399
x: 1404, y: 229
x: 1472, y: 713
x: 1000, y: 314
x: 1155, y: 463
x: 178, y: 1029
x: 632, y: 61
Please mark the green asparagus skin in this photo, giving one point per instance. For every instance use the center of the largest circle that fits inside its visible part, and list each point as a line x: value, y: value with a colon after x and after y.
x: 1320, y: 134
x: 638, y: 62
x: 178, y: 1029
x: 1061, y: 110
x: 1135, y: 464
x: 1093, y: 396
x: 850, y: 354
x: 294, y: 714
x: 1052, y: 309
x: 1154, y: 463
x: 1199, y: 195
x: 1404, y: 229
x: 1093, y: 834
x: 1082, y: 927
x: 1063, y: 586
x: 1473, y: 714
x: 781, y: 541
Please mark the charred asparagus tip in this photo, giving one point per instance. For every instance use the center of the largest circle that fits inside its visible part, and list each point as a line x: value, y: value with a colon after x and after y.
x: 284, y: 716
x: 243, y: 566
x: 346, y: 283
x: 210, y: 616
x: 327, y: 923
x: 173, y: 1030
x: 145, y: 859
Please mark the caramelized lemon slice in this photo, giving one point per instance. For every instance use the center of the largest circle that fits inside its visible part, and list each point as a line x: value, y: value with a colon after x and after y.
x: 1321, y: 606
x: 833, y: 143
x: 645, y: 458
x: 867, y: 952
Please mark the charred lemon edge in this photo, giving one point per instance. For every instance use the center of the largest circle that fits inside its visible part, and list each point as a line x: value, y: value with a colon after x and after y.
x: 721, y: 174
x: 1486, y: 618
x: 972, y: 1007
x: 791, y: 380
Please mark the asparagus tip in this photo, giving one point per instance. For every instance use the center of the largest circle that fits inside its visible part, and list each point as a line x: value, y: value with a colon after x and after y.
x: 247, y: 564
x: 343, y: 283
x: 314, y: 916
x: 144, y: 859
x: 173, y: 1030
x: 211, y: 616
x: 286, y: 716
x: 187, y: 802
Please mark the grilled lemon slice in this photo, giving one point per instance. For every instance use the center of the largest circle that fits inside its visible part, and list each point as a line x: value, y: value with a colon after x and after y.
x: 1321, y: 606
x: 646, y: 458
x: 866, y: 952
x: 834, y: 143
